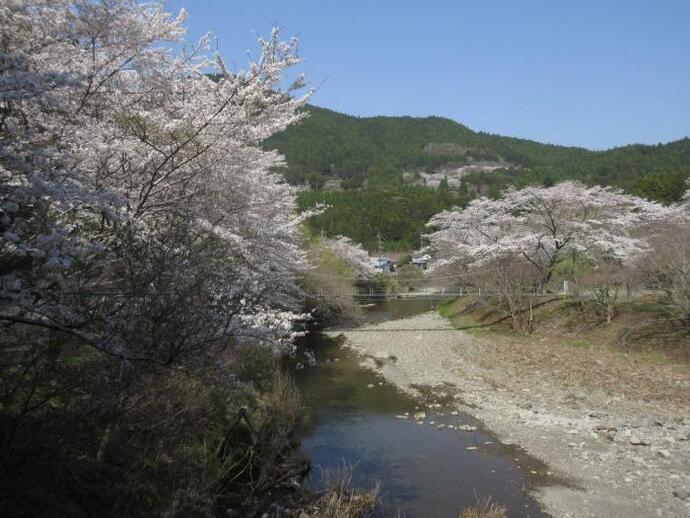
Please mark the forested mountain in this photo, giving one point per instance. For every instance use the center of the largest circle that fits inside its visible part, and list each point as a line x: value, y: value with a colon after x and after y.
x: 375, y: 161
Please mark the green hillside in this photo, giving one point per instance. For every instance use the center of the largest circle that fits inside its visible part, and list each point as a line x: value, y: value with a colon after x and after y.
x: 362, y: 161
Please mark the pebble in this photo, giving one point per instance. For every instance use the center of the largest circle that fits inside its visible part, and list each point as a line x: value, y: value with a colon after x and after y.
x: 441, y: 426
x: 683, y: 494
x: 370, y: 386
x: 401, y: 417
x: 664, y: 453
x: 467, y: 428
x: 454, y: 412
x: 419, y: 415
x: 471, y: 448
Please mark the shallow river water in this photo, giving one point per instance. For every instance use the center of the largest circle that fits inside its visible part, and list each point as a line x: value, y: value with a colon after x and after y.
x: 424, y: 471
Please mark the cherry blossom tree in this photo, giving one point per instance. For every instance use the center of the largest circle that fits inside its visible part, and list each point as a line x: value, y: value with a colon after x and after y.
x: 544, y: 225
x: 130, y: 169
x: 352, y: 253
x: 666, y: 266
x: 539, y: 228
x: 144, y: 233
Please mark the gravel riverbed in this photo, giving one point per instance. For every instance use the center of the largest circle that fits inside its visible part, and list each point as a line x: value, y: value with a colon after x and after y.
x: 621, y: 457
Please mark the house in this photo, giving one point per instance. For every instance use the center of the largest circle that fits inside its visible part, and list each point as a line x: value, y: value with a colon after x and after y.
x: 383, y: 264
x: 421, y: 262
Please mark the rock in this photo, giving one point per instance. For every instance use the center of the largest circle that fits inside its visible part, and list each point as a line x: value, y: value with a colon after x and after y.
x: 471, y: 448
x: 370, y: 386
x: 467, y: 428
x: 664, y: 453
x: 454, y: 412
x: 441, y: 426
x: 401, y: 417
x: 683, y: 494
x: 419, y: 416
x: 635, y: 441
x: 303, y: 515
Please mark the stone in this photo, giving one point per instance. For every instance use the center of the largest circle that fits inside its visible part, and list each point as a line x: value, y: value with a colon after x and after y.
x: 664, y: 453
x: 471, y: 448
x: 467, y: 428
x: 419, y: 416
x: 370, y: 386
x: 441, y: 426
x: 401, y: 417
x: 683, y: 494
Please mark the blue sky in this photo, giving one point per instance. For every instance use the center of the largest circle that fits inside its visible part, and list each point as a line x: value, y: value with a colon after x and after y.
x: 577, y: 72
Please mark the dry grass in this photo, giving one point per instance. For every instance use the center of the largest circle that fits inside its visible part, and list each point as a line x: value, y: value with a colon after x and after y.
x: 485, y: 509
x: 638, y: 355
x: 341, y: 501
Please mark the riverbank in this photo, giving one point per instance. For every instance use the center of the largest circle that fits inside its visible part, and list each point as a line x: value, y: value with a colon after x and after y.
x: 623, y: 455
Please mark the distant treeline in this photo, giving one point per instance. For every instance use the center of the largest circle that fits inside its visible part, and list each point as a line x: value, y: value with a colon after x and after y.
x: 397, y: 214
x: 372, y: 153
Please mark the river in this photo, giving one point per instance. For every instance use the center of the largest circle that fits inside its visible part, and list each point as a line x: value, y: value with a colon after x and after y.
x: 354, y: 418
